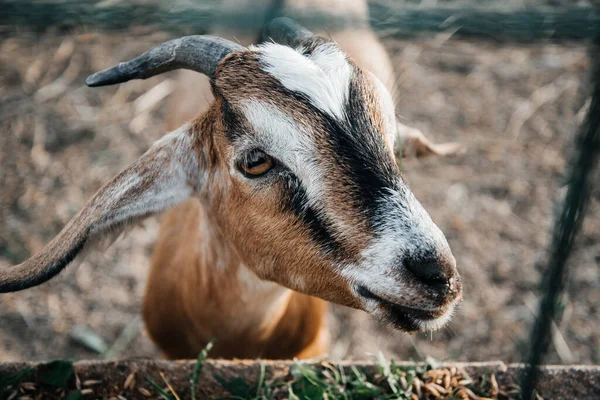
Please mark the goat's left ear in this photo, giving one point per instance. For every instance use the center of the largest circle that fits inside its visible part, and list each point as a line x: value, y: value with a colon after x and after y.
x: 411, y: 142
x: 165, y: 175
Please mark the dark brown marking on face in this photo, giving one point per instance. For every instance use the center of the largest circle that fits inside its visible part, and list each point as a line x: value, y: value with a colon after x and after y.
x: 365, y: 167
x: 321, y: 230
x: 358, y: 168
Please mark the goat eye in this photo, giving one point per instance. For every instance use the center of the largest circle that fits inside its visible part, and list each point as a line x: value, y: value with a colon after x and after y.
x: 255, y: 163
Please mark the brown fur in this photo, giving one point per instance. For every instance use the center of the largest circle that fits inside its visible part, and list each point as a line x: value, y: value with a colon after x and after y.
x: 190, y: 299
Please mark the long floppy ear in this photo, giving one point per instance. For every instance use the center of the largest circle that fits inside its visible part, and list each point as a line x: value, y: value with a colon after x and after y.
x: 411, y: 142
x: 165, y: 175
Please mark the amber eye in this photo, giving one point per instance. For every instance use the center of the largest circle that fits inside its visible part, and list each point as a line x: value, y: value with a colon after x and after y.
x: 255, y: 163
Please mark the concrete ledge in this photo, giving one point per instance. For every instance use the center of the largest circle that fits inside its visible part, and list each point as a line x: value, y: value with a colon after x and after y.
x: 111, y: 379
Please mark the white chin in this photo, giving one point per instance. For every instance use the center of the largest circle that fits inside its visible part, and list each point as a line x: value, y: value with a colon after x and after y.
x: 438, y: 323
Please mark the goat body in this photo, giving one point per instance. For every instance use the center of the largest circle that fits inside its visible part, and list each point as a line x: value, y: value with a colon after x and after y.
x: 211, y: 293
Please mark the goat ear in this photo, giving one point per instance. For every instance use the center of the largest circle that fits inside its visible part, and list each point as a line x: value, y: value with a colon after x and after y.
x: 411, y: 142
x: 163, y: 176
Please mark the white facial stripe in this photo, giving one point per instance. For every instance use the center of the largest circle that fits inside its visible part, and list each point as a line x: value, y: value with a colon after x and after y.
x: 410, y: 227
x: 387, y: 108
x: 287, y: 140
x: 324, y: 77
x: 407, y: 230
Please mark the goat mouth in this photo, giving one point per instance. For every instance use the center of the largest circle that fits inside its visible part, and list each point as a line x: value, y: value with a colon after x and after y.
x: 405, y: 318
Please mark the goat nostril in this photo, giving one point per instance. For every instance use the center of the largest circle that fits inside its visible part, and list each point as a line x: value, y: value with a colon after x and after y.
x: 431, y: 271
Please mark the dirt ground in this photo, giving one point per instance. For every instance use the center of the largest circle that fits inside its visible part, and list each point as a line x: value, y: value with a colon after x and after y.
x: 515, y: 108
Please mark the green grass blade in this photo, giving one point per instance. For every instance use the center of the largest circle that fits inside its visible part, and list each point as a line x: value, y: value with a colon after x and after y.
x: 160, y: 390
x: 198, y: 367
x: 261, y: 379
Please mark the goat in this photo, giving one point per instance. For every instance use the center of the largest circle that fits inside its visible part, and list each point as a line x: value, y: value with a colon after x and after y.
x: 297, y: 199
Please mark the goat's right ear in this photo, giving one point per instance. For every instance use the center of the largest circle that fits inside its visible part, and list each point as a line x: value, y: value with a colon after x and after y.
x: 166, y: 174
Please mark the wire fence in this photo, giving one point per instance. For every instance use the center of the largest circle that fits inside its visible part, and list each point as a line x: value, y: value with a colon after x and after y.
x: 534, y: 23
x: 498, y: 21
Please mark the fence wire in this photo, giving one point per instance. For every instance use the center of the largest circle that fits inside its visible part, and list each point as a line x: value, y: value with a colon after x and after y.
x: 497, y: 20
x: 539, y: 22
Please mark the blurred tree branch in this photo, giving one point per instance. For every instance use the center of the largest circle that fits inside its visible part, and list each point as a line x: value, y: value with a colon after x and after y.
x: 567, y: 226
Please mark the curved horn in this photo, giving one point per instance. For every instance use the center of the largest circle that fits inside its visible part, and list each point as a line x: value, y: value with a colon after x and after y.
x: 198, y: 53
x: 285, y: 31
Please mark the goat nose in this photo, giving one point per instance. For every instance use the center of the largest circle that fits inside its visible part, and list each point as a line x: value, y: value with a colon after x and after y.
x: 431, y: 269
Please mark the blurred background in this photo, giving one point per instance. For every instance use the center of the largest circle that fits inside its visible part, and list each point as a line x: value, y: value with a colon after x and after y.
x: 515, y: 106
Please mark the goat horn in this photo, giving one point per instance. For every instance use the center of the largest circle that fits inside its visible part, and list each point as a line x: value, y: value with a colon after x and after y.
x: 198, y: 53
x: 285, y: 31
